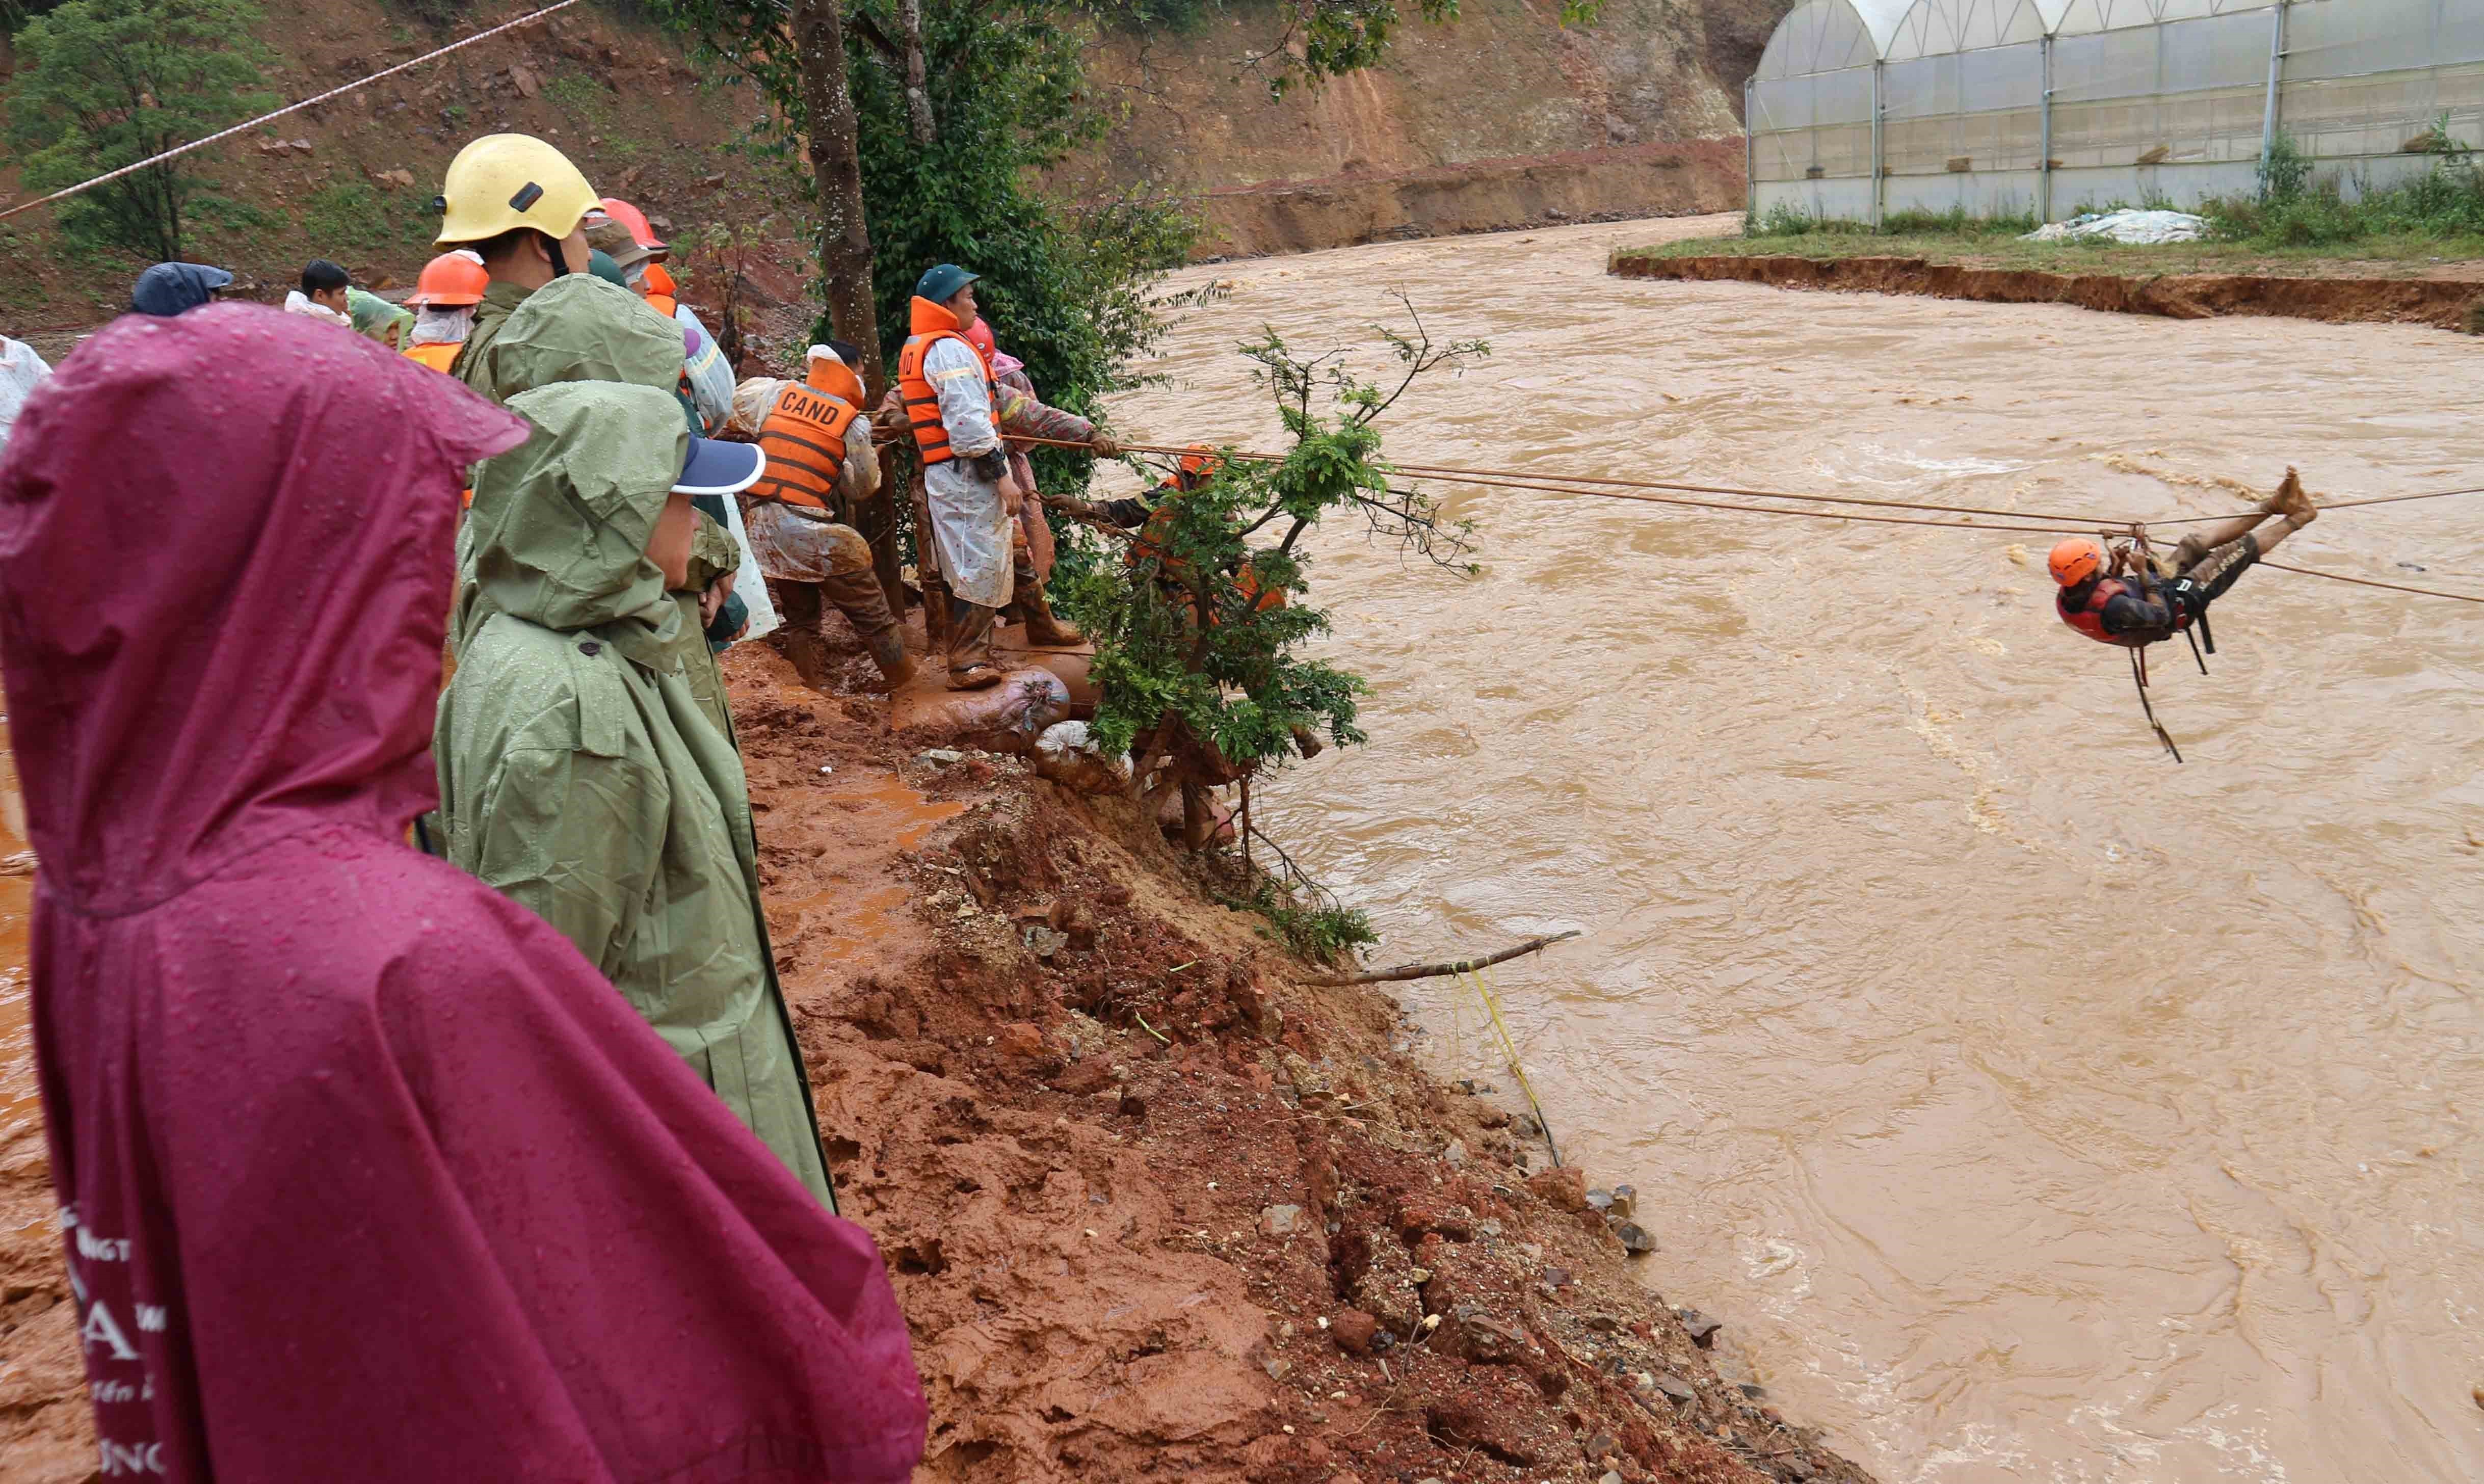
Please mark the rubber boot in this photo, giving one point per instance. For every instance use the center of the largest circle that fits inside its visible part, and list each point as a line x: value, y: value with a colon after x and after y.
x: 858, y: 596
x: 799, y: 640
x: 971, y: 645
x: 1042, y: 629
x: 888, y: 650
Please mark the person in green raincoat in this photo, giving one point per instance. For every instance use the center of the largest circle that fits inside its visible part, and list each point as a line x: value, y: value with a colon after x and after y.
x: 377, y: 319
x: 578, y: 771
x: 580, y: 327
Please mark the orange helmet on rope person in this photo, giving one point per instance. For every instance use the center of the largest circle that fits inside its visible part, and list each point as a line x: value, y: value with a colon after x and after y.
x: 451, y: 279
x: 1197, y: 466
x: 2075, y: 560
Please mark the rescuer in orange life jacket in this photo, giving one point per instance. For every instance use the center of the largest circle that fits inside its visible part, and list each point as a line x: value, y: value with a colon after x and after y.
x: 947, y: 392
x: 820, y: 464
x: 2139, y: 608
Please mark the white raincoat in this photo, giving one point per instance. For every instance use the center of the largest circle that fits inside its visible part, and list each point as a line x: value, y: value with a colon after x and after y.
x: 22, y: 371
x: 710, y: 378
x: 969, y: 524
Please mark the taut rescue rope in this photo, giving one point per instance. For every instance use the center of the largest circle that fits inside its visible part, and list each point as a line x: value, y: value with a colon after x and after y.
x: 2022, y: 522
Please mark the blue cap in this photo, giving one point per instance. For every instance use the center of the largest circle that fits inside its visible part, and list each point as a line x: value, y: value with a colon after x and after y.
x: 941, y: 283
x: 169, y: 289
x: 715, y: 466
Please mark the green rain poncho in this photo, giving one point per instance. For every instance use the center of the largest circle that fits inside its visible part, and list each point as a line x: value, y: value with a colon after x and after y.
x: 375, y: 316
x: 578, y: 775
x: 578, y: 327
x: 474, y: 363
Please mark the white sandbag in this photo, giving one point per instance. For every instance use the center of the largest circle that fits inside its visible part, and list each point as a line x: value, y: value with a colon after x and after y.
x: 1068, y: 756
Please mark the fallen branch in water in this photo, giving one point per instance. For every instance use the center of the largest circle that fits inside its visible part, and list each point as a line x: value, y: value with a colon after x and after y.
x: 1454, y: 966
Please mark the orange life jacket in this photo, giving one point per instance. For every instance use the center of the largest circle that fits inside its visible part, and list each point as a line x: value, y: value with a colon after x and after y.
x: 1155, y: 537
x: 804, y: 439
x: 662, y: 304
x: 931, y: 324
x: 2089, y: 617
x: 440, y: 355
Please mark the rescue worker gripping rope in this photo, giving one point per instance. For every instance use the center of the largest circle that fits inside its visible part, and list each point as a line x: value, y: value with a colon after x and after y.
x: 2130, y: 598
x: 820, y: 464
x: 951, y: 403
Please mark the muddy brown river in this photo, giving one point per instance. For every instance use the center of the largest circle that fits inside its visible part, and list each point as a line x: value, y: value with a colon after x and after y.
x: 2030, y: 1108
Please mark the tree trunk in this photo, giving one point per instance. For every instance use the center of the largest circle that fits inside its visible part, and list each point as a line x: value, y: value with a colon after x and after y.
x: 836, y: 163
x: 918, y: 97
x: 885, y: 516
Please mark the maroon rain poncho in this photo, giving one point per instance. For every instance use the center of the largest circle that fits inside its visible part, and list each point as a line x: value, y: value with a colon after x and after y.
x: 366, y: 1174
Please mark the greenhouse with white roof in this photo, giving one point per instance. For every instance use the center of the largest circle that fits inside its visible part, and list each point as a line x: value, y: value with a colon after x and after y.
x: 1865, y: 108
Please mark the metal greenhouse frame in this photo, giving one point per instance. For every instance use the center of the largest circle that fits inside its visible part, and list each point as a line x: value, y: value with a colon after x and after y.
x: 1864, y: 107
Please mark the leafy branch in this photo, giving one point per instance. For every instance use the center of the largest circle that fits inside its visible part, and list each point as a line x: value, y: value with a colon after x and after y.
x: 1198, y: 632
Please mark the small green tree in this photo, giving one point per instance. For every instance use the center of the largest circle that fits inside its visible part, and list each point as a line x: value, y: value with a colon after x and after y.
x: 105, y: 83
x: 1196, y: 654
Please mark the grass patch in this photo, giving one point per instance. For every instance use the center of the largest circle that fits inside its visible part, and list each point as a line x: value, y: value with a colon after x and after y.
x: 1783, y: 222
x: 351, y: 214
x: 2443, y: 205
x: 2294, y: 225
x: 578, y: 93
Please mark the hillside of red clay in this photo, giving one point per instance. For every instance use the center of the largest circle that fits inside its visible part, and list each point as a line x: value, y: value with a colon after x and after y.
x: 1622, y: 182
x: 2443, y: 301
x: 1156, y: 1204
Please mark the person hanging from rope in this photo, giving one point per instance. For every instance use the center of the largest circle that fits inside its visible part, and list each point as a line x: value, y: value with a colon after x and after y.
x: 2135, y: 602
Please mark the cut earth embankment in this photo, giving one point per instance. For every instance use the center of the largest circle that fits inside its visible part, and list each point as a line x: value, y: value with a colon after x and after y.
x: 2442, y: 303
x: 1274, y: 217
x: 1155, y: 1204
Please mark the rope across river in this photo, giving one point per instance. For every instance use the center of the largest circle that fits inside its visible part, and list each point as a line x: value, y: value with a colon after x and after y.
x: 2023, y: 523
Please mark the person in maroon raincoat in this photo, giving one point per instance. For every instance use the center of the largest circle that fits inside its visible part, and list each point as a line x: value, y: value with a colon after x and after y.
x: 364, y: 1172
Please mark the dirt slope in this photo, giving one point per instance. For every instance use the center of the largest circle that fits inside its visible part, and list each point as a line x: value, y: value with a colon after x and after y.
x: 353, y: 180
x: 1499, y: 118
x: 1264, y: 1247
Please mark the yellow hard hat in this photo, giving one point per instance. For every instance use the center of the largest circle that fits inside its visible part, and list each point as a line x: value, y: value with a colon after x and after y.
x: 504, y: 181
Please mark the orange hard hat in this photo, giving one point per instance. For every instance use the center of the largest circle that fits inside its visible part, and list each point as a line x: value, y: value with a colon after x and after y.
x: 1201, y: 462
x: 2075, y: 560
x: 451, y: 278
x: 979, y: 335
x: 657, y: 280
x: 633, y: 218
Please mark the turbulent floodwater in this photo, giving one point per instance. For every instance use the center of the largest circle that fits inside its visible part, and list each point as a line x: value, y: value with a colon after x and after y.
x: 2030, y: 1108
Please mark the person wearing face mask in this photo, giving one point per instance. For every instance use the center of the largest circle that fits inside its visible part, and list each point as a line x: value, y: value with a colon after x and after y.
x: 951, y: 400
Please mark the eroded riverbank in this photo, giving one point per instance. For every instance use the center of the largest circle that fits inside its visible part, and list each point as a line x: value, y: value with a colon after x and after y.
x: 2057, y: 1114
x: 1154, y: 1207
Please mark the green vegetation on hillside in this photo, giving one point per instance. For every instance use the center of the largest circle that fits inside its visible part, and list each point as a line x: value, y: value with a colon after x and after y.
x: 105, y: 83
x: 948, y: 175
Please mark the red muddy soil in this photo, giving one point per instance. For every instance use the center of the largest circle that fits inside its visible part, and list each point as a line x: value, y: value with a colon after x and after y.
x: 1265, y: 1246
x: 1619, y: 184
x: 2439, y: 301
